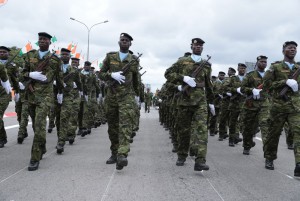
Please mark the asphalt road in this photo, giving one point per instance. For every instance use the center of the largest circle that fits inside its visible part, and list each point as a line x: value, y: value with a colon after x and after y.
x: 80, y: 173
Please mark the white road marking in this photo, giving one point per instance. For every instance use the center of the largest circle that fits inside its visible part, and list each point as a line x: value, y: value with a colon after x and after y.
x: 15, y: 126
x: 258, y: 138
x: 108, y: 186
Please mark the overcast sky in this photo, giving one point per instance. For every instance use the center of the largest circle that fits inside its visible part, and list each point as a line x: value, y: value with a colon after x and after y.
x: 234, y: 30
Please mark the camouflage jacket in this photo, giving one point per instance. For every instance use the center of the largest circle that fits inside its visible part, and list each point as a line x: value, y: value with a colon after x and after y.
x: 203, y: 92
x: 12, y: 72
x: 43, y: 91
x: 3, y: 73
x: 217, y: 90
x: 275, y: 80
x: 234, y: 83
x: 112, y: 63
x: 148, y: 97
x: 70, y: 76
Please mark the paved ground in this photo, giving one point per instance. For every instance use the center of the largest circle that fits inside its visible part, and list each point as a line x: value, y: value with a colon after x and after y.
x: 81, y: 173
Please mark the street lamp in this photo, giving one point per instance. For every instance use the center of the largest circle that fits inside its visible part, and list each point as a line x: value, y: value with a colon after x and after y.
x: 89, y: 30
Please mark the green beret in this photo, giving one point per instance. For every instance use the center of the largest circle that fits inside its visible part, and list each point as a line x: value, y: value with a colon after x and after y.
x: 74, y: 58
x: 289, y: 43
x: 45, y: 35
x: 127, y: 36
x: 4, y: 48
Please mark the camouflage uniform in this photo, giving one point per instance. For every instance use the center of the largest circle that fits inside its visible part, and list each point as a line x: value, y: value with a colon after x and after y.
x: 147, y: 99
x: 41, y: 99
x: 120, y: 102
x: 192, y: 126
x: 213, y: 123
x: 224, y: 111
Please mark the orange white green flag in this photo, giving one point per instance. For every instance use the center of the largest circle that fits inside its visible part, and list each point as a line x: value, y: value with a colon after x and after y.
x: 26, y: 48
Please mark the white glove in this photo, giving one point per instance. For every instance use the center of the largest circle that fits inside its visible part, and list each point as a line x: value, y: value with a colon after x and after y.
x: 229, y: 94
x: 189, y: 80
x: 74, y: 85
x: 80, y: 93
x: 256, y: 94
x: 239, y: 91
x: 159, y: 100
x: 37, y: 76
x: 86, y: 97
x: 54, y: 82
x: 59, y: 98
x: 220, y: 96
x: 6, y: 86
x: 17, y: 97
x: 65, y: 84
x: 137, y: 100
x: 293, y: 84
x: 22, y: 87
x: 212, y: 109
x: 117, y: 76
x: 179, y: 88
x: 98, y: 99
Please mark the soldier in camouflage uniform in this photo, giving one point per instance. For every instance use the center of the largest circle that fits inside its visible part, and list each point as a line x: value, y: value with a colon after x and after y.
x: 213, y: 123
x: 284, y: 108
x: 225, y: 112
x: 120, y: 99
x: 70, y: 75
x: 12, y: 71
x: 192, y: 127
x: 236, y: 103
x: 148, y: 98
x: 256, y: 107
x: 40, y: 99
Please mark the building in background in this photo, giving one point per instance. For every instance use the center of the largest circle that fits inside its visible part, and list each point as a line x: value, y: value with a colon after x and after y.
x: 250, y: 66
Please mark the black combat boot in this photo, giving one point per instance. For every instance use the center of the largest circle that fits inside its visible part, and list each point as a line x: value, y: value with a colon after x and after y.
x: 253, y: 144
x: 121, y: 162
x: 290, y: 146
x: 71, y: 140
x: 201, y: 166
x: 89, y: 131
x: 231, y: 142
x: 50, y: 129
x: 269, y: 164
x: 131, y: 140
x: 211, y: 133
x: 221, y: 137
x: 84, y: 132
x: 237, y: 140
x: 180, y: 161
x: 33, y: 165
x: 246, y: 151
x: 112, y: 159
x: 60, y: 148
x: 2, y: 143
x: 297, y: 170
x: 20, y: 139
x: 26, y: 134
x: 175, y: 149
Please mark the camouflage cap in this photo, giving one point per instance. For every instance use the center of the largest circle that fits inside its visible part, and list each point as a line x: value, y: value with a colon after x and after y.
x: 127, y: 36
x: 4, y: 48
x: 197, y: 41
x: 45, y: 35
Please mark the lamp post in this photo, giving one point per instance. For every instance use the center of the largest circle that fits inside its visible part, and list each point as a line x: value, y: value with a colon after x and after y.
x: 89, y: 30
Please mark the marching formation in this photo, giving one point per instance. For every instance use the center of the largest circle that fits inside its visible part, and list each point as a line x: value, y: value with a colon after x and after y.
x: 193, y: 104
x: 46, y: 85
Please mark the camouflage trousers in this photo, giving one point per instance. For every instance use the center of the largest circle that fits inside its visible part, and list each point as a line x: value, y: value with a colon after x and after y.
x: 73, y: 123
x: 136, y: 122
x: 224, y: 117
x: 234, y: 121
x: 4, y: 102
x: 23, y: 114
x: 147, y: 106
x: 213, y: 121
x: 51, y: 116
x: 277, y: 120
x: 38, y: 114
x: 120, y: 118
x: 192, y: 131
x: 288, y: 134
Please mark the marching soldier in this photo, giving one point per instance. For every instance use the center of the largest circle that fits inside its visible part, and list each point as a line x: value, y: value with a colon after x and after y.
x: 41, y: 69
x: 120, y: 99
x: 286, y: 106
x: 192, y: 107
x: 148, y: 98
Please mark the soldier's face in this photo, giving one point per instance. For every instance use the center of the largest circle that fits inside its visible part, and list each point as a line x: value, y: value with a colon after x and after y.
x: 221, y: 76
x: 75, y: 63
x: 44, y: 43
x: 4, y: 54
x: 197, y: 48
x: 242, y: 70
x: 262, y: 64
x: 290, y: 51
x: 124, y: 43
x: 65, y: 57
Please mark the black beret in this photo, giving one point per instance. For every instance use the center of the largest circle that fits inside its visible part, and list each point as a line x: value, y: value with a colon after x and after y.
x: 131, y: 52
x: 241, y: 64
x: 232, y: 69
x: 289, y: 43
x: 93, y: 68
x: 87, y: 63
x: 261, y: 57
x: 127, y: 36
x: 64, y: 50
x: 4, y: 48
x: 197, y: 40
x: 213, y: 76
x: 45, y: 35
x: 76, y: 59
x: 187, y: 54
x: 221, y: 72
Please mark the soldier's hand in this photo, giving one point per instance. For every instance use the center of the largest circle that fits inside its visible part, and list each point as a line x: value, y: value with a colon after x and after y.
x: 86, y: 98
x: 74, y: 85
x: 179, y: 88
x: 239, y: 91
x: 212, y: 109
x: 189, y: 80
x: 59, y: 98
x: 118, y: 76
x: 17, y: 97
x: 293, y: 84
x: 229, y: 94
x: 21, y: 86
x: 37, y: 76
x: 256, y: 94
x: 6, y: 86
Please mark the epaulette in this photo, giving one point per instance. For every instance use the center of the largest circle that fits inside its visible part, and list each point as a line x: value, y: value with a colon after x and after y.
x: 250, y: 72
x: 276, y: 62
x: 112, y: 53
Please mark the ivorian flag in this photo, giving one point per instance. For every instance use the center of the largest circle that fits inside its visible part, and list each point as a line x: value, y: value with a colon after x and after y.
x: 2, y: 2
x: 25, y: 49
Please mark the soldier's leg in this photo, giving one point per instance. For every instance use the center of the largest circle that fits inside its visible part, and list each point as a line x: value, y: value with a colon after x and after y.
x: 294, y: 127
x: 233, y: 124
x: 24, y: 122
x: 73, y: 120
x: 213, y: 122
x: 57, y: 117
x: 289, y: 136
x: 264, y: 121
x: 18, y: 110
x: 113, y: 127
x: 277, y: 121
x: 224, y: 116
x: 4, y: 102
x: 51, y: 118
x: 249, y: 128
